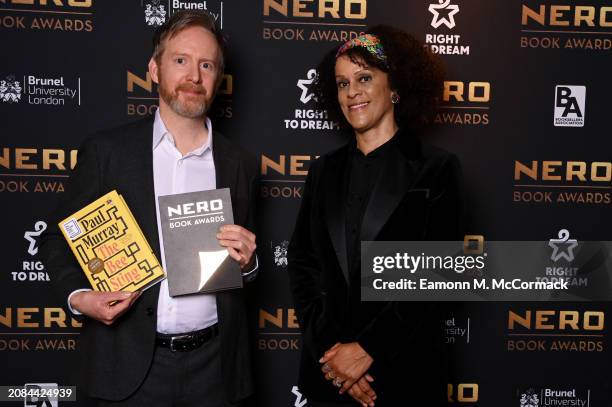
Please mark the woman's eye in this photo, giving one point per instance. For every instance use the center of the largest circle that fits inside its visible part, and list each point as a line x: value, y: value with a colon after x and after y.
x: 341, y: 84
x: 365, y: 78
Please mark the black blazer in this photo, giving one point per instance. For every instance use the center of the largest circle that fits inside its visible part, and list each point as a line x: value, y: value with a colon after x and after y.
x: 418, y: 196
x: 119, y: 355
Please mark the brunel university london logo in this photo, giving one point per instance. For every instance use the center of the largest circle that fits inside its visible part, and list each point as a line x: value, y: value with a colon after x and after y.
x: 445, y: 40
x: 157, y: 12
x: 10, y: 90
x: 554, y: 397
x: 569, y: 106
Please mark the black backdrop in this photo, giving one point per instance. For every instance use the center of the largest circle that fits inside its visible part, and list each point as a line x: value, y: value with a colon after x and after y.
x: 518, y: 72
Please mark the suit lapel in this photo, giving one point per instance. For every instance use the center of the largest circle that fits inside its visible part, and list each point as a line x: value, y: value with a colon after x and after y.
x: 397, y: 176
x: 335, y: 210
x: 226, y: 167
x: 143, y: 166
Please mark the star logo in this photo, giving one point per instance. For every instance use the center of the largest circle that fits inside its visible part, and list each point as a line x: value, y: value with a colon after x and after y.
x: 443, y: 7
x: 563, y: 241
x: 303, y: 84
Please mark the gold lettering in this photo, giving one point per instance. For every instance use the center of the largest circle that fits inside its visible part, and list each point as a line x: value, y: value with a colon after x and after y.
x: 276, y: 320
x: 578, y: 172
x: 580, y: 16
x: 539, y: 17
x: 556, y: 13
x: 296, y: 163
x: 22, y: 158
x: 276, y: 166
x: 281, y: 7
x: 520, y: 168
x: 58, y: 159
x: 548, y: 169
x: 146, y: 84
x: 23, y: 315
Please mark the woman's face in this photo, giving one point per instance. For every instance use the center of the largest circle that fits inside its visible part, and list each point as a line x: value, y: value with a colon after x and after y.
x: 364, y: 95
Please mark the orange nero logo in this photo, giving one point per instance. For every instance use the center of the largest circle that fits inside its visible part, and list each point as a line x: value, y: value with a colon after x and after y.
x: 475, y: 92
x: 279, y: 318
x: 336, y: 9
x: 34, y: 317
x: 570, y: 171
x: 37, y: 158
x: 547, y: 320
x: 567, y: 16
x: 462, y: 392
x: 58, y: 3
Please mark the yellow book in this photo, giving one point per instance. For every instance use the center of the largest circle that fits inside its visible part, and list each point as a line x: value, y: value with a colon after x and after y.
x: 110, y: 247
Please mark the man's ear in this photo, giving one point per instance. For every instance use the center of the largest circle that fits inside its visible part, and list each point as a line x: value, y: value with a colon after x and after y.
x: 154, y: 70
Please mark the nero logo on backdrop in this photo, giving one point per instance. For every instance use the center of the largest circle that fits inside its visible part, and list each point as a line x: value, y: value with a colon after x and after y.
x: 569, y: 105
x: 278, y: 330
x: 583, y: 26
x: 280, y: 253
x: 461, y: 393
x: 47, y: 15
x: 32, y: 269
x: 547, y: 330
x: 284, y: 177
x: 156, y: 12
x: 465, y: 103
x: 313, y: 20
x: 309, y: 119
x: 562, y: 182
x: 38, y: 90
x: 444, y: 40
x: 554, y: 397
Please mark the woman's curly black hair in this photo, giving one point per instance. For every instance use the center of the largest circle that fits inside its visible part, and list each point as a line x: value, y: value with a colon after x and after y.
x: 414, y: 72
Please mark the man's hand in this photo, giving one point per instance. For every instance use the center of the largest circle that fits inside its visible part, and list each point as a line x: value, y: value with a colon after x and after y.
x: 96, y: 304
x: 362, y: 391
x: 345, y: 363
x: 240, y: 244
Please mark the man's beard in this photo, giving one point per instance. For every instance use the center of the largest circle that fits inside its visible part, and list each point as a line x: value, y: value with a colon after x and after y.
x: 191, y: 106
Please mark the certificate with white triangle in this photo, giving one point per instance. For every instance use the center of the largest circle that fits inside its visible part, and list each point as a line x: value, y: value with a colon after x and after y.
x: 192, y: 257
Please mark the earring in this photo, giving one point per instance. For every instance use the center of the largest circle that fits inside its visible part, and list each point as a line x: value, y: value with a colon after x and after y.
x: 395, y: 98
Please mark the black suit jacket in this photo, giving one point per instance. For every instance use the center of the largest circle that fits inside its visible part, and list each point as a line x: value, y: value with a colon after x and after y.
x: 119, y: 355
x: 417, y: 196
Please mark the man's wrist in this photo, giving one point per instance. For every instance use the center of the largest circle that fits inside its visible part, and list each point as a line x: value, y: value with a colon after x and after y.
x: 71, y: 306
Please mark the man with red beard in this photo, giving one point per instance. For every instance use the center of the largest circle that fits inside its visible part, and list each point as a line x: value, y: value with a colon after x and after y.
x: 150, y: 349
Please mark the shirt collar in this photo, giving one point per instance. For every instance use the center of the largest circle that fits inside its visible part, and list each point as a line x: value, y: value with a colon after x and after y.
x: 160, y: 132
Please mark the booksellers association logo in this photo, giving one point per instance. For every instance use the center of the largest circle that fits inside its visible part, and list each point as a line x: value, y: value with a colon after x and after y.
x: 155, y: 13
x: 569, y: 106
x: 300, y: 400
x: 443, y: 13
x: 10, y: 90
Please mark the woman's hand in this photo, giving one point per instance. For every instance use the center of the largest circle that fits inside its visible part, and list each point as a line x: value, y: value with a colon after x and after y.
x: 345, y: 364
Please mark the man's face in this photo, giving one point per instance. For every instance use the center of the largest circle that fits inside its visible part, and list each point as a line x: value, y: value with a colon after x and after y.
x: 187, y: 72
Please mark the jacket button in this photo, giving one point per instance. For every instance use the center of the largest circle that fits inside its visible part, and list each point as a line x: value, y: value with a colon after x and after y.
x: 149, y: 311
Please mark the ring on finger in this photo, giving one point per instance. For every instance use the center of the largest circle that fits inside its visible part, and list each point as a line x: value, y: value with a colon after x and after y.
x: 337, y: 382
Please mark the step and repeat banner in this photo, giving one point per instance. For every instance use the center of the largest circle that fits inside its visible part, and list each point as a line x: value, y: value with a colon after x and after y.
x: 525, y: 107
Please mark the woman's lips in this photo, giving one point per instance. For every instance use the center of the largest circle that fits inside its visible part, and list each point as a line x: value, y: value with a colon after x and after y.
x: 358, y: 106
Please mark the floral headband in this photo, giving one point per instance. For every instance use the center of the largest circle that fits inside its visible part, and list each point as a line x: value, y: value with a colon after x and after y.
x: 370, y: 43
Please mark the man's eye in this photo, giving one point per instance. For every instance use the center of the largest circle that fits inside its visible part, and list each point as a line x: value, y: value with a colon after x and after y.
x: 206, y: 65
x: 180, y: 60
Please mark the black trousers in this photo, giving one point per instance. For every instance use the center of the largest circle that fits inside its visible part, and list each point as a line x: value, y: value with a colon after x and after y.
x: 180, y: 379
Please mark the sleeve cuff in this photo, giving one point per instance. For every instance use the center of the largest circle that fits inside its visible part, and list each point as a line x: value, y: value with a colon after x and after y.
x: 75, y: 312
x: 251, y: 274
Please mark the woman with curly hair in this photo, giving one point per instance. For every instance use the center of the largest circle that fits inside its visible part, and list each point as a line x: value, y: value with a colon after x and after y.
x: 384, y: 185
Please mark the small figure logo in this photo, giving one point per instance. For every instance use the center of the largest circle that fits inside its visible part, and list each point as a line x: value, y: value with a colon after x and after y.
x: 303, y: 84
x: 530, y: 399
x: 299, y: 401
x: 10, y: 90
x: 155, y: 14
x: 30, y: 236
